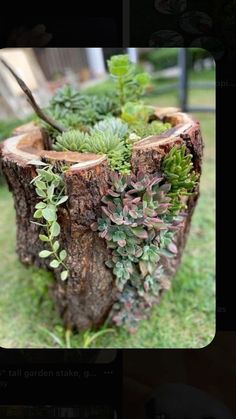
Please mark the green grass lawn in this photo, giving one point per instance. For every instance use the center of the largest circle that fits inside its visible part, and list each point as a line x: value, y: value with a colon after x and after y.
x: 184, y: 319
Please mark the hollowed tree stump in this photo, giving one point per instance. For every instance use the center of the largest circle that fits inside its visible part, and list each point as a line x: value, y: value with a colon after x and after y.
x: 85, y: 299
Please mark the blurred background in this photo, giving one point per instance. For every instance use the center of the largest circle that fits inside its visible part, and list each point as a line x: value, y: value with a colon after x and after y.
x: 176, y: 71
x: 181, y: 77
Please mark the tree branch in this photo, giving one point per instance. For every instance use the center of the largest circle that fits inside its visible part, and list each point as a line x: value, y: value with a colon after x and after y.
x: 32, y: 101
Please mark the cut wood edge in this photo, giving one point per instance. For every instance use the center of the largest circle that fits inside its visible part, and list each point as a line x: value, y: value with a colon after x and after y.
x: 89, y: 163
x: 172, y: 115
x: 78, y: 160
x: 165, y: 138
x: 26, y: 128
x: 162, y: 112
x: 29, y: 146
x: 148, y: 152
x: 23, y: 148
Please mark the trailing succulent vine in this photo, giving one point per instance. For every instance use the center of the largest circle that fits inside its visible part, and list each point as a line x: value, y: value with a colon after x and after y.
x: 49, y: 186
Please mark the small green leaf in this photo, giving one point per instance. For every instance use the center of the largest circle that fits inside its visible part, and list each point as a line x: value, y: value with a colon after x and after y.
x: 41, y: 193
x: 64, y: 275
x: 54, y: 263
x: 55, y: 229
x: 56, y: 245
x: 40, y: 205
x: 140, y: 232
x: 44, y: 253
x: 63, y: 199
x: 47, y: 176
x: 109, y: 264
x: 63, y: 254
x: 38, y: 213
x: 50, y: 191
x: 52, y: 207
x: 43, y: 238
x: 49, y: 214
x: 40, y: 185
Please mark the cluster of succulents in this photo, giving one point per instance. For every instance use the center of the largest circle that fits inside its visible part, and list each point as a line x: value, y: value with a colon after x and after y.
x: 107, y: 137
x: 140, y: 216
x: 90, y: 108
x: 153, y: 128
x: 129, y: 309
x: 79, y: 111
x: 108, y: 124
x: 178, y: 170
x: 133, y: 224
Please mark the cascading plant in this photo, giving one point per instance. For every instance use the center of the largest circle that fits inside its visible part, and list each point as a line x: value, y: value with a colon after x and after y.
x: 132, y: 221
x: 141, y: 215
x: 50, y: 188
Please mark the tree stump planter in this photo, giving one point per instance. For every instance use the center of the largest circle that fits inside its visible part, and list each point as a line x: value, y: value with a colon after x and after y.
x: 86, y: 298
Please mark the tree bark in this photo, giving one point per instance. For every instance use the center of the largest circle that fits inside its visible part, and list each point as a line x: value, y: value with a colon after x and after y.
x: 85, y: 299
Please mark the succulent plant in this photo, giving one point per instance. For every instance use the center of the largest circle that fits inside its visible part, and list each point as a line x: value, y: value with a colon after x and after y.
x: 100, y: 142
x: 65, y: 99
x: 131, y: 306
x: 115, y: 125
x: 132, y: 220
x: 79, y: 111
x: 129, y: 309
x: 68, y: 100
x: 129, y: 85
x: 136, y: 113
x: 73, y: 140
x: 178, y: 170
x: 143, y: 130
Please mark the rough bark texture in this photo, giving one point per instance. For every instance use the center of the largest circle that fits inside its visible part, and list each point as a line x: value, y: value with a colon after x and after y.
x: 86, y: 297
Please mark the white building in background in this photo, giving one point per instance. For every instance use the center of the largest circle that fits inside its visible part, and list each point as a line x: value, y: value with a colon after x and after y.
x: 133, y: 54
x: 96, y: 61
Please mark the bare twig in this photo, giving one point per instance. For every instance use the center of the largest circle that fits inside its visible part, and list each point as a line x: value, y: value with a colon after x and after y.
x: 32, y: 101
